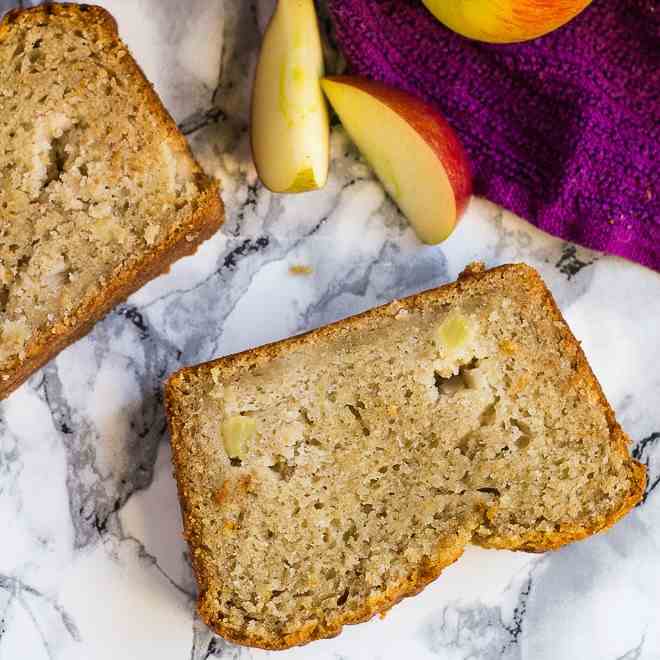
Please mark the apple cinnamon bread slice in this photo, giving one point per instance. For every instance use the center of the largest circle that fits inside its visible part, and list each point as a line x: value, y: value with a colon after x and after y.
x: 325, y: 477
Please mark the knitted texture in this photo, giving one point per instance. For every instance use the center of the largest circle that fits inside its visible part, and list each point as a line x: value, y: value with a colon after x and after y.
x: 563, y: 130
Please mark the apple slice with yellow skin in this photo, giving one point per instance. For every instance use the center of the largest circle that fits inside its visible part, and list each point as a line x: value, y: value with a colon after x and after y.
x: 412, y: 149
x: 289, y: 124
x: 504, y: 21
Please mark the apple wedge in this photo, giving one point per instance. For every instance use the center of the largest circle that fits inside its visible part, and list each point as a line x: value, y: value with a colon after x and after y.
x: 504, y: 21
x: 412, y: 149
x: 289, y: 125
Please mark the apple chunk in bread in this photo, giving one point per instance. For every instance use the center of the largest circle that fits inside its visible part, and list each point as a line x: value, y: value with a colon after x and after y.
x: 412, y: 149
x: 289, y: 125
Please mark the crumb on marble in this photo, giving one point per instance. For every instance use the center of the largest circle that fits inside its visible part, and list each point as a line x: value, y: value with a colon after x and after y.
x: 300, y: 269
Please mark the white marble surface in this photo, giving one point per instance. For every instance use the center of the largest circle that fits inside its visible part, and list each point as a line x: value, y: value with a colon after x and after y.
x: 92, y: 563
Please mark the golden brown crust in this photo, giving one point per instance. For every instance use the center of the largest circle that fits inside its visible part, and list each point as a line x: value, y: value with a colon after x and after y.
x: 68, y: 11
x: 426, y: 572
x: 407, y: 588
x: 182, y: 241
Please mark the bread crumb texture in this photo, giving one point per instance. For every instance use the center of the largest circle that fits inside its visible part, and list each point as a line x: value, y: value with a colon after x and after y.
x: 93, y: 172
x: 324, y: 478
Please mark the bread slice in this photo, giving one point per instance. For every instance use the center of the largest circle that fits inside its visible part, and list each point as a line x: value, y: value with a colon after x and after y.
x: 325, y: 477
x: 99, y: 192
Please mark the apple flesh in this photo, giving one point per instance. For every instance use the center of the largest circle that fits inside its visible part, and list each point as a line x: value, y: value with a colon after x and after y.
x: 289, y: 127
x: 504, y: 21
x: 412, y: 149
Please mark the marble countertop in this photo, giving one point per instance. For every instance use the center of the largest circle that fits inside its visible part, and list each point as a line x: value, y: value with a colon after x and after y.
x: 92, y: 561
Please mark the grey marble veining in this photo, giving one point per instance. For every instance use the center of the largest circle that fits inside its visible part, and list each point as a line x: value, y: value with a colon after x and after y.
x: 92, y: 563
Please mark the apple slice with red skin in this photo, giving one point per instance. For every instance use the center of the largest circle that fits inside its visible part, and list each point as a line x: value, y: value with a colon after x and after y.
x: 412, y: 149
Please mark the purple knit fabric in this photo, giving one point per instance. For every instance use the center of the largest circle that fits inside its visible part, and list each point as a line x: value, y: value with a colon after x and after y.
x: 563, y: 130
